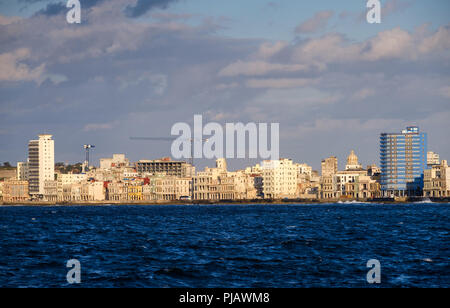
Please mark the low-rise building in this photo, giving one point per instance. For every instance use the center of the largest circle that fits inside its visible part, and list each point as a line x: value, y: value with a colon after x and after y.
x: 50, y: 191
x: 15, y: 191
x: 437, y: 181
x: 116, y: 191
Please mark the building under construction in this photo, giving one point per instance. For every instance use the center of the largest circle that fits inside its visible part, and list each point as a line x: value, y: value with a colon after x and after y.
x: 166, y: 166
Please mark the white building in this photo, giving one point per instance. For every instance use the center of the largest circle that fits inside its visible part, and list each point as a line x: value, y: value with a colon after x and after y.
x: 279, y: 179
x: 22, y: 171
x: 433, y: 159
x: 304, y: 169
x: 117, y: 161
x: 41, y: 163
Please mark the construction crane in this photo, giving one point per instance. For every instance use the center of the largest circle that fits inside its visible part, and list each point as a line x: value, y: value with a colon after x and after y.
x: 191, y: 159
x: 87, y: 148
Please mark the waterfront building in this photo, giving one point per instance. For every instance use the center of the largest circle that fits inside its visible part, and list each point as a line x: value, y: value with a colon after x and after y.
x: 437, y: 181
x: 51, y: 191
x: 216, y: 184
x: 166, y: 166
x: 329, y: 166
x: 22, y: 171
x: 134, y: 191
x: 15, y: 191
x: 432, y: 159
x: 279, y: 179
x: 352, y: 162
x: 116, y: 191
x: 92, y: 191
x: 403, y: 161
x: 41, y: 163
x: 117, y: 161
x: 64, y: 180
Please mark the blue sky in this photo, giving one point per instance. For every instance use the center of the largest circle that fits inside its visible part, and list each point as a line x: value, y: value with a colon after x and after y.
x: 331, y: 80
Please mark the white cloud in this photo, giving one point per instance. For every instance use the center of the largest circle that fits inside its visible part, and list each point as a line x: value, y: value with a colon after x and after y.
x: 280, y: 83
x: 269, y: 49
x: 12, y: 68
x: 318, y: 22
x: 258, y: 68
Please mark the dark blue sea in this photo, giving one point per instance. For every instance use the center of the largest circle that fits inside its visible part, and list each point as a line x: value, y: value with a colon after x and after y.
x: 226, y: 246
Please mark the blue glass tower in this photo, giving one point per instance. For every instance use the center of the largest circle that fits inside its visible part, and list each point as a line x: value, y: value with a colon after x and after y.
x: 403, y: 159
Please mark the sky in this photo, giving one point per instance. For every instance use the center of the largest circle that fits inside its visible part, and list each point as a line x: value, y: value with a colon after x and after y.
x: 136, y: 67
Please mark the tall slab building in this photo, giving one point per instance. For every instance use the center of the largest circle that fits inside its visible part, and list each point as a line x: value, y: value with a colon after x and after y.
x: 41, y: 163
x: 403, y: 158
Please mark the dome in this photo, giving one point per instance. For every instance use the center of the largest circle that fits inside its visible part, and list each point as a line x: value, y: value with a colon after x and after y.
x: 352, y: 159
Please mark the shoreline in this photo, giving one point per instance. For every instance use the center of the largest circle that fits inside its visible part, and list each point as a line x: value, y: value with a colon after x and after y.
x: 224, y: 203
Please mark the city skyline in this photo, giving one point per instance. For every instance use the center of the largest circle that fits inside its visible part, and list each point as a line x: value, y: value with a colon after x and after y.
x: 331, y: 80
x: 316, y: 164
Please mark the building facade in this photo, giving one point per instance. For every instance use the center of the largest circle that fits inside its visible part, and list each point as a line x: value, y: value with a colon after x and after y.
x: 279, y: 179
x: 437, y: 181
x: 166, y: 166
x: 403, y: 158
x: 41, y: 163
x: 329, y: 166
x: 15, y: 191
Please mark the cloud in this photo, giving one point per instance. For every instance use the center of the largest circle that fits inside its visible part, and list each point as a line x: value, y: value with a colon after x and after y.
x: 148, y: 73
x: 279, y: 83
x: 258, y: 68
x: 98, y: 126
x: 11, y: 68
x: 390, y: 44
x: 143, y: 6
x: 6, y: 20
x: 363, y: 94
x: 316, y: 23
x: 53, y: 9
x: 269, y: 49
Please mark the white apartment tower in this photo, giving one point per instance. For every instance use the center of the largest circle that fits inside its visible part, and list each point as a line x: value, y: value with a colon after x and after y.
x: 41, y: 163
x: 279, y: 179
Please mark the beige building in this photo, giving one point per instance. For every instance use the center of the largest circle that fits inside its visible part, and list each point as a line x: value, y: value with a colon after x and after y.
x: 432, y: 159
x: 216, y: 184
x: 329, y: 166
x: 15, y: 191
x: 92, y: 191
x: 116, y: 191
x: 51, y: 191
x: 353, y: 183
x: 65, y: 180
x: 117, y: 161
x: 22, y: 171
x: 352, y: 162
x: 437, y: 181
x: 279, y: 179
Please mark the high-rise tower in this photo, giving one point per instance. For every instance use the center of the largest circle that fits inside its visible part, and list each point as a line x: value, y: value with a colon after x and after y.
x: 41, y: 163
x: 403, y: 158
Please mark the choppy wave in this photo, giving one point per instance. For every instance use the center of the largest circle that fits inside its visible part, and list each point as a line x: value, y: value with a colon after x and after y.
x: 229, y: 246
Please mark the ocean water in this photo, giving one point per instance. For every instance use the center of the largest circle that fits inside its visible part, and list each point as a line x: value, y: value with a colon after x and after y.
x: 226, y: 246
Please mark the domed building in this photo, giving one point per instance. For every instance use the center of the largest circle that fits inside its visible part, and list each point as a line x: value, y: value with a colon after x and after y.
x: 352, y: 162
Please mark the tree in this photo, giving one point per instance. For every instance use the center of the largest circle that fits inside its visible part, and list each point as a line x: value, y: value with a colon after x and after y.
x: 7, y: 164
